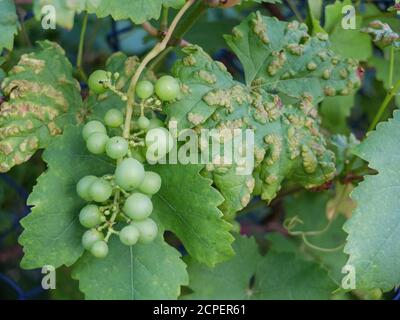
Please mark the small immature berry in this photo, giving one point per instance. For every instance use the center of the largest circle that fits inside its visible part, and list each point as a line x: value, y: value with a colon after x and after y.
x: 148, y: 230
x: 99, y: 249
x: 116, y: 147
x: 144, y: 89
x: 113, y: 118
x: 96, y: 143
x: 129, y: 235
x: 90, y: 237
x: 92, y: 127
x: 100, y: 190
x: 82, y: 187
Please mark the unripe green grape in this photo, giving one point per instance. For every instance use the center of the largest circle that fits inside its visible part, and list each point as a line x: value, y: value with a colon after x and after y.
x: 97, y: 80
x: 159, y: 142
x: 113, y: 118
x: 100, y: 190
x: 143, y: 123
x: 147, y: 229
x: 90, y: 216
x: 167, y: 88
x: 144, y: 89
x: 138, y: 206
x: 99, y: 249
x: 92, y: 127
x: 155, y: 123
x: 82, y: 187
x: 129, y: 235
x: 90, y: 237
x: 116, y: 147
x: 129, y: 174
x: 151, y: 183
x: 96, y: 143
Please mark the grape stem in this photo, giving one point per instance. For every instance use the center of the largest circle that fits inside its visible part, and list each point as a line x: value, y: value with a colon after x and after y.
x: 79, y: 68
x: 157, y: 49
x: 385, y: 103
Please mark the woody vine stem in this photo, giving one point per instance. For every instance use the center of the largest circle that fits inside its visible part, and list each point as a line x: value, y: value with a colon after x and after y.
x: 157, y: 49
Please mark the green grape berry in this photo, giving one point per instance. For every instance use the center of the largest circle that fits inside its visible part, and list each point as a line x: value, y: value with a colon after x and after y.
x: 138, y: 206
x: 100, y: 190
x: 143, y: 123
x: 99, y: 249
x: 113, y: 118
x: 82, y: 187
x: 116, y: 147
x: 151, y: 183
x: 97, y: 80
x: 167, y: 88
x: 144, y: 89
x: 93, y: 127
x: 155, y: 123
x: 129, y: 174
x: 90, y: 216
x: 96, y: 143
x: 90, y: 237
x: 159, y: 142
x: 147, y: 230
x: 129, y: 235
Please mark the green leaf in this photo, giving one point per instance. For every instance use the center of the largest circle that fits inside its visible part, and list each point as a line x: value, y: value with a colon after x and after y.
x: 334, y: 113
x: 42, y: 97
x: 373, y: 241
x: 288, y: 144
x: 349, y: 43
x: 138, y: 11
x: 287, y: 74
x: 52, y: 232
x: 273, y: 279
x: 8, y: 24
x: 144, y: 271
x: 281, y: 57
x: 227, y: 280
x: 187, y: 205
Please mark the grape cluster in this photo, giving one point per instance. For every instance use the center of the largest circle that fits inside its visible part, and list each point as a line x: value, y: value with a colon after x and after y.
x: 125, y: 195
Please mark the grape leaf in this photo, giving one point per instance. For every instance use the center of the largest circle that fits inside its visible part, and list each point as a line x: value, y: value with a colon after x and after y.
x: 282, y: 57
x: 42, y: 97
x: 187, y: 205
x: 272, y: 277
x: 334, y: 112
x: 227, y: 280
x: 138, y: 11
x: 287, y: 139
x: 8, y: 24
x: 350, y: 43
x: 150, y: 271
x: 287, y: 74
x: 52, y: 232
x: 373, y: 241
